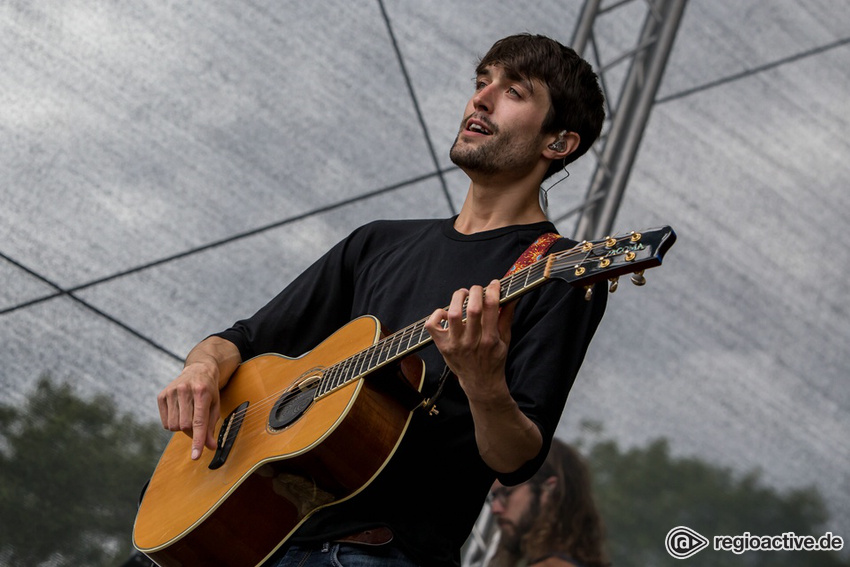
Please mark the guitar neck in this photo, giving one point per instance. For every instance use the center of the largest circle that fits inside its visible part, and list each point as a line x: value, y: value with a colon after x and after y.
x: 405, y: 342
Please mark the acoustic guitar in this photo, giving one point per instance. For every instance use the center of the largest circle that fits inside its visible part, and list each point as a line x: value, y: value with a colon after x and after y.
x: 300, y: 434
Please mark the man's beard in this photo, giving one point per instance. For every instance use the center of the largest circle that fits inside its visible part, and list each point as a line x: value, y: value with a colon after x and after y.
x: 512, y: 534
x: 493, y: 155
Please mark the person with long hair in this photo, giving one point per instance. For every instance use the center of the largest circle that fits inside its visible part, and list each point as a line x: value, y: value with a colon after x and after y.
x: 551, y: 520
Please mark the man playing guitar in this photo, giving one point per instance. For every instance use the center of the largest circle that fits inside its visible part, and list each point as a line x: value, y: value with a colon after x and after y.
x: 536, y: 106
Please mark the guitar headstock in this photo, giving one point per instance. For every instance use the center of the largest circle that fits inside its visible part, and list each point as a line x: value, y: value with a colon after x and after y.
x: 609, y: 258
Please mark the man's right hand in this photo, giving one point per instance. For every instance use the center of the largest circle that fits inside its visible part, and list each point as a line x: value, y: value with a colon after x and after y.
x: 191, y: 402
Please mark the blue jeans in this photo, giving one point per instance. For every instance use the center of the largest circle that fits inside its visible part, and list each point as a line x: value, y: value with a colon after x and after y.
x: 344, y: 555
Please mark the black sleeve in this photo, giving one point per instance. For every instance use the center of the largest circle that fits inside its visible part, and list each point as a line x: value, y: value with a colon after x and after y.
x: 549, y: 339
x: 309, y: 309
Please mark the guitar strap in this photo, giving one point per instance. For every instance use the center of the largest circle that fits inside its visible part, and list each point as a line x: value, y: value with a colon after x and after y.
x: 534, y: 252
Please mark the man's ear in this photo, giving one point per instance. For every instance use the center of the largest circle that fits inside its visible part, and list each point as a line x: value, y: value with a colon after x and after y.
x: 562, y: 145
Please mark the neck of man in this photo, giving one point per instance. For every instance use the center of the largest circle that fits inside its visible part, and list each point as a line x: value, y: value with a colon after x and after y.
x: 494, y: 202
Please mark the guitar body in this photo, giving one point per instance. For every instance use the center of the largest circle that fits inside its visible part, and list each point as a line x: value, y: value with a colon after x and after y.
x: 283, y: 464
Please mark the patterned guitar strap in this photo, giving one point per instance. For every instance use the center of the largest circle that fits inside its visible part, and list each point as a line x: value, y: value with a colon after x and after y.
x: 537, y: 250
x: 534, y: 252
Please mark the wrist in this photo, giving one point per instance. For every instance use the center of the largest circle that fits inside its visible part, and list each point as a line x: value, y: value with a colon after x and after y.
x: 203, y: 366
x: 493, y: 395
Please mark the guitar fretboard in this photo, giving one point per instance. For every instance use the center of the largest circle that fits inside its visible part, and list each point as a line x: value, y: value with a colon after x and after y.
x: 402, y: 343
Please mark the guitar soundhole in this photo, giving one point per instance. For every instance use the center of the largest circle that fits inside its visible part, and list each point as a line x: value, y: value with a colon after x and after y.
x: 292, y: 404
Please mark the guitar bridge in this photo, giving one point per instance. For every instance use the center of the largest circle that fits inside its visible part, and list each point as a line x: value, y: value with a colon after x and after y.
x: 227, y: 435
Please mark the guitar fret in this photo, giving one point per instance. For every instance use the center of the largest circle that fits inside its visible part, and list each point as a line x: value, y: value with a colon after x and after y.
x: 364, y: 362
x: 510, y: 281
x: 422, y: 331
x: 370, y: 359
x: 325, y: 381
x: 411, y: 334
x: 356, y: 363
x: 383, y: 357
x: 344, y: 374
x: 539, y: 271
x: 370, y: 363
x: 396, y: 344
x: 508, y: 288
x: 379, y: 357
x: 409, y: 337
x: 334, y: 376
x: 424, y: 335
x: 404, y: 342
x: 388, y: 348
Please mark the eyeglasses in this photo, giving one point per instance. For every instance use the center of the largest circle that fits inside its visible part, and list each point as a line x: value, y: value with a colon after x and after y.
x: 501, y: 494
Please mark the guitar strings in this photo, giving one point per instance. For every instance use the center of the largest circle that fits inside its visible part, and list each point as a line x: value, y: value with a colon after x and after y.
x: 533, y: 274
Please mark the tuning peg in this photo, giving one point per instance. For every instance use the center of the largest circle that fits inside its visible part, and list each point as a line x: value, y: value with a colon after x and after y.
x: 614, y: 283
x: 588, y: 292
x: 638, y: 279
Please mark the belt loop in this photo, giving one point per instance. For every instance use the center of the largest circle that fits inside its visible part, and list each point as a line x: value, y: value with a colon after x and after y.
x: 326, y: 547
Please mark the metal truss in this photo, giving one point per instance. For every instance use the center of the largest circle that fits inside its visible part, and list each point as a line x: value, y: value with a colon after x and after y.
x: 626, y: 117
x: 627, y: 112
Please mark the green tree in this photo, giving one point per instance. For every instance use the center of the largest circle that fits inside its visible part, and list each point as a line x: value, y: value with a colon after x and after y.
x: 644, y: 492
x: 71, y: 471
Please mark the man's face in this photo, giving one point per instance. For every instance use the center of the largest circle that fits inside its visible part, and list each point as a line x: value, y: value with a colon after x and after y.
x: 515, y: 509
x: 501, y: 129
